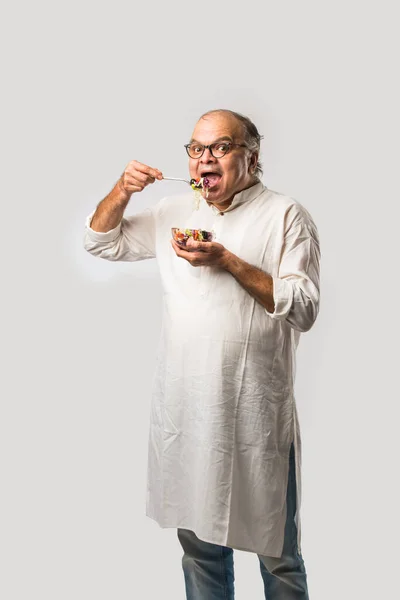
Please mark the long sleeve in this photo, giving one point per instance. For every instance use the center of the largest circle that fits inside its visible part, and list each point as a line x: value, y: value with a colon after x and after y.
x: 296, y: 289
x: 133, y: 239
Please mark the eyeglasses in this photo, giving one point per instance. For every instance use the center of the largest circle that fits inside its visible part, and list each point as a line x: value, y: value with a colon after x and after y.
x: 218, y: 149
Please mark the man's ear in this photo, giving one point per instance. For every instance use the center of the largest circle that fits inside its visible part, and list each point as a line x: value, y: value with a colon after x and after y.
x: 253, y: 163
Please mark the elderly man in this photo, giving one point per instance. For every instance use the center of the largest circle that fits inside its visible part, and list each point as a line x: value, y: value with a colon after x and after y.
x: 224, y: 455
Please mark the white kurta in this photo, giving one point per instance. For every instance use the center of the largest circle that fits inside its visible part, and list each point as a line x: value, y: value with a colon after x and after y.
x: 223, y: 412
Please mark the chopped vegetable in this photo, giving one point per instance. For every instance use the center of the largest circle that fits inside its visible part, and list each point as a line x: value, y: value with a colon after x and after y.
x: 199, y: 184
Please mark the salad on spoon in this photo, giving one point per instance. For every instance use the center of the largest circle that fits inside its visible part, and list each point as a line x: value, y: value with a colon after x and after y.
x: 203, y: 183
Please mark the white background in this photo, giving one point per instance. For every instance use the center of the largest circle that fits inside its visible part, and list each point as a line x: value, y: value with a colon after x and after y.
x: 89, y: 86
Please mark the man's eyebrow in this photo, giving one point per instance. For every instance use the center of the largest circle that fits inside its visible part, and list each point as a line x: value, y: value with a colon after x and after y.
x: 220, y: 139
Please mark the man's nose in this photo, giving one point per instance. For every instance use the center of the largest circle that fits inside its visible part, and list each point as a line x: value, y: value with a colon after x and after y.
x: 207, y: 156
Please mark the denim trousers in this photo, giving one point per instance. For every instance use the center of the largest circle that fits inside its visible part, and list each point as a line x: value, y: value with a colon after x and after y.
x: 208, y: 568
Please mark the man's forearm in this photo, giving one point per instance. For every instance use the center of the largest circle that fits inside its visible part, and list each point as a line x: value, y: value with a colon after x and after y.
x: 255, y: 281
x: 110, y: 210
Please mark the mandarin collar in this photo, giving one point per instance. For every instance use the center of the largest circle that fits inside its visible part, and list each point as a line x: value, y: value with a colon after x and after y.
x: 241, y: 197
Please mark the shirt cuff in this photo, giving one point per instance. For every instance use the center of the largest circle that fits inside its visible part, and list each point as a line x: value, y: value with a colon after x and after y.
x: 283, y: 298
x: 101, y: 236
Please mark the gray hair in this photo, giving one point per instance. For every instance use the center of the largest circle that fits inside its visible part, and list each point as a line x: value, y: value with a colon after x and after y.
x: 251, y: 134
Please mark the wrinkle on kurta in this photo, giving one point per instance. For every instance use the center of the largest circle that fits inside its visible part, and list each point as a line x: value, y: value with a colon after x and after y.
x: 223, y: 413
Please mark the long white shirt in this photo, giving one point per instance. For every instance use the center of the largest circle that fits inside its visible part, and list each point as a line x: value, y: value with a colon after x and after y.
x: 223, y: 412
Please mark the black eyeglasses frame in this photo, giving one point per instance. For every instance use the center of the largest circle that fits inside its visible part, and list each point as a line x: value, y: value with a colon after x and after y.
x: 209, y: 146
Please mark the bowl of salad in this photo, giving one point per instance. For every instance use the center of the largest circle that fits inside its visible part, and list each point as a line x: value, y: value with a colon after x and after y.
x: 181, y: 236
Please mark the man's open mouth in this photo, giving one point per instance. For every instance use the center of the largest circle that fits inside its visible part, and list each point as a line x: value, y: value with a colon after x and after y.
x: 213, y: 178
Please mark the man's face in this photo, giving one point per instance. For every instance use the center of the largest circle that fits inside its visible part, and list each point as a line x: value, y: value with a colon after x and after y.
x: 233, y: 171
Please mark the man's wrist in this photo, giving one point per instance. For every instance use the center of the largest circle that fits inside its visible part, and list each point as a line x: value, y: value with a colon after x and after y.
x: 125, y: 196
x: 226, y: 259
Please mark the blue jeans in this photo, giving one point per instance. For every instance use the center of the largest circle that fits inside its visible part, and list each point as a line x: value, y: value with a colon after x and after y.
x: 208, y: 568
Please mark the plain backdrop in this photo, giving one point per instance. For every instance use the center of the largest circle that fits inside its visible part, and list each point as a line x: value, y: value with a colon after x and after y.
x: 89, y: 86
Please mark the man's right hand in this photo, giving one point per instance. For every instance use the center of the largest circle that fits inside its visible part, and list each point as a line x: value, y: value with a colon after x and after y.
x: 136, y: 177
x: 110, y: 211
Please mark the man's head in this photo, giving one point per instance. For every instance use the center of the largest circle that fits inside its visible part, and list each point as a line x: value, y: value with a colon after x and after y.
x: 239, y: 168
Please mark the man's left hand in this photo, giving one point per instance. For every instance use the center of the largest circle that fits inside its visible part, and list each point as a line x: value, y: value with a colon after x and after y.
x: 202, y: 254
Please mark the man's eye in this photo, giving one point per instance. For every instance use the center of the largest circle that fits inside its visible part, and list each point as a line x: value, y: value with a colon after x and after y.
x: 196, y: 148
x: 222, y: 147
